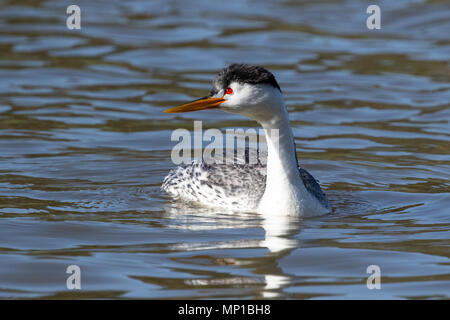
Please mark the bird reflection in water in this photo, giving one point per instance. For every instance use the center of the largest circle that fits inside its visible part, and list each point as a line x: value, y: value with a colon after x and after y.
x: 279, y: 239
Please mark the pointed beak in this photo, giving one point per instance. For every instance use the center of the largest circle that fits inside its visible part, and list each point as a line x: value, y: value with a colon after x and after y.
x: 196, y: 105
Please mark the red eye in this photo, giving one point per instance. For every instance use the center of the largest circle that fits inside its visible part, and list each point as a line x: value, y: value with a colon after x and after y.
x: 228, y: 91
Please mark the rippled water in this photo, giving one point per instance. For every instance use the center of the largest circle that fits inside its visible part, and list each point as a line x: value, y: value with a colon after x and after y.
x: 85, y: 145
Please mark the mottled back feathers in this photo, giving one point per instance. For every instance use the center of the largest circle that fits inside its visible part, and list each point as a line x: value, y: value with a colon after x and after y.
x: 239, y: 186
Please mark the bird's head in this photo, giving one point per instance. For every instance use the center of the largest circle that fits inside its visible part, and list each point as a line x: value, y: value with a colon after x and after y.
x: 243, y: 89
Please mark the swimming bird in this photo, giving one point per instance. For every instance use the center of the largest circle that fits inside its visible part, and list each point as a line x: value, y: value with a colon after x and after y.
x: 278, y: 187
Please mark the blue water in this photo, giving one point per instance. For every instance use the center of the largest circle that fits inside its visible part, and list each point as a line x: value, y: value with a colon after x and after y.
x: 85, y: 145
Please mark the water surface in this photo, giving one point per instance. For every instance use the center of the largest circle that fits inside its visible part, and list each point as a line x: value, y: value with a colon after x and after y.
x: 84, y: 147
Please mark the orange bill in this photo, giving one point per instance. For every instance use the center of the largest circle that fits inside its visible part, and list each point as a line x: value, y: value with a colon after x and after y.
x: 196, y: 105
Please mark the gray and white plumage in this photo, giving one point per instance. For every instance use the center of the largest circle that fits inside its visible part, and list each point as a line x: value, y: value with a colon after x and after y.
x: 278, y: 187
x: 239, y: 186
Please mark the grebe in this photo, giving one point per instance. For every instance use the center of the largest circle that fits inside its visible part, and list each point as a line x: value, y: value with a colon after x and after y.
x: 281, y: 186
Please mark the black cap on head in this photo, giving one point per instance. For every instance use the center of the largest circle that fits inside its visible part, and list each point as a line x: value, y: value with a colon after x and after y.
x: 243, y: 73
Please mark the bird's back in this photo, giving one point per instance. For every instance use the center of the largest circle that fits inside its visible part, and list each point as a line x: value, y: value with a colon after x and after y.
x: 238, y: 185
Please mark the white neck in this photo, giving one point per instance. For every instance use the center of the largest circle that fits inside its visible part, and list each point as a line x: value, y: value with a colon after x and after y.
x: 285, y: 191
